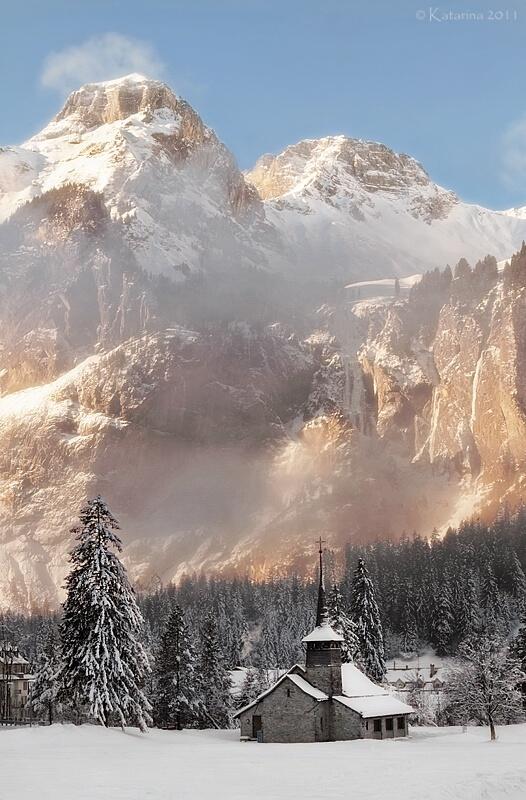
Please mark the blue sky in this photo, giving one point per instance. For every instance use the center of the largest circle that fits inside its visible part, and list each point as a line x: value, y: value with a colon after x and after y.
x: 266, y: 74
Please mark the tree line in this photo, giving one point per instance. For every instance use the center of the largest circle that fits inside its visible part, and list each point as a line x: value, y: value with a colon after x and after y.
x: 166, y: 656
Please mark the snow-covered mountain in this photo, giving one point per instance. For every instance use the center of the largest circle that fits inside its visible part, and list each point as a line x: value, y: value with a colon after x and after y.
x: 163, y: 175
x: 178, y: 336
x: 329, y: 208
x: 356, y: 209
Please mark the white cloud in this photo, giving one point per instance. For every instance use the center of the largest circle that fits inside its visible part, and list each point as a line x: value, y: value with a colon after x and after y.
x: 513, y: 155
x: 100, y: 58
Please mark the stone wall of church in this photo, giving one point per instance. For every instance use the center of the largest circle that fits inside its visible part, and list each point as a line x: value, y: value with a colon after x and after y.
x: 288, y: 715
x: 347, y: 724
x: 327, y: 679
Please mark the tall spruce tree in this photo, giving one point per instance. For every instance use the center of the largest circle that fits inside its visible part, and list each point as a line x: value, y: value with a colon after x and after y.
x: 214, y: 678
x: 466, y: 607
x: 491, y: 601
x: 104, y: 663
x: 45, y: 689
x: 176, y: 700
x: 408, y: 628
x: 366, y: 617
x: 342, y: 623
x: 442, y: 629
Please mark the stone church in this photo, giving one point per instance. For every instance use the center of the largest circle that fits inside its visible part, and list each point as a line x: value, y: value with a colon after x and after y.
x: 325, y: 701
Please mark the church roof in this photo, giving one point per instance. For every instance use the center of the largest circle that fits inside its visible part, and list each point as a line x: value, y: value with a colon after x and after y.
x: 323, y: 633
x: 356, y: 684
x: 307, y: 687
x: 381, y: 705
x: 360, y: 694
x: 300, y: 682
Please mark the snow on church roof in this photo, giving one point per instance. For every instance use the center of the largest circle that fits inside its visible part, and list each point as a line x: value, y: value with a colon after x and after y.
x: 367, y: 698
x: 307, y: 687
x: 356, y: 684
x: 381, y: 705
x: 300, y: 682
x: 323, y: 633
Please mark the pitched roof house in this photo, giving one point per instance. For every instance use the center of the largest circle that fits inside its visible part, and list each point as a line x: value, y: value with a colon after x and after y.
x: 326, y: 700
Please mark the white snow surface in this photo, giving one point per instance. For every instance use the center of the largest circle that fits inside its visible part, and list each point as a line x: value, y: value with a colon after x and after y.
x: 307, y: 687
x: 356, y: 684
x: 376, y: 706
x: 323, y: 633
x: 90, y: 763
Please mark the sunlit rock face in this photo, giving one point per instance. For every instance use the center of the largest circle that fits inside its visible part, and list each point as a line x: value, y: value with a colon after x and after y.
x: 453, y: 394
x: 478, y: 414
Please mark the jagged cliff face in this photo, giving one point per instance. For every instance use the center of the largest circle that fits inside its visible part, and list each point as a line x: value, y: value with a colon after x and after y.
x: 453, y: 394
x: 331, y: 164
x: 177, y: 336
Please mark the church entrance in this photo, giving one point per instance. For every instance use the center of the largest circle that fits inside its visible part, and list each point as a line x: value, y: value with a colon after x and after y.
x: 257, y: 727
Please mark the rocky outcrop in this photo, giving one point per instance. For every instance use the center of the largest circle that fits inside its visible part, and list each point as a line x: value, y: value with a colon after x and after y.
x: 325, y: 164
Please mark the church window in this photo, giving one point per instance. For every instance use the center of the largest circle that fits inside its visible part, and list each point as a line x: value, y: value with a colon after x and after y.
x: 377, y: 726
x: 389, y: 724
x: 288, y: 692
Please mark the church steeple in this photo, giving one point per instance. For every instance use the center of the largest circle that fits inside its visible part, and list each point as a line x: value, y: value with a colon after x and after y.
x: 324, y: 654
x: 322, y: 614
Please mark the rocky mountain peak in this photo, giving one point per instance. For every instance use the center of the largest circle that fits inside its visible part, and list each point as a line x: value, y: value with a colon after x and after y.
x: 335, y: 162
x: 100, y: 103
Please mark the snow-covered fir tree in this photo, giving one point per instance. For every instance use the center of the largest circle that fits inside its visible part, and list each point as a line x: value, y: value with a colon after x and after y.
x: 366, y: 617
x: 233, y: 629
x: 213, y: 677
x: 176, y: 693
x: 409, y: 631
x: 255, y: 682
x: 45, y: 688
x: 518, y: 645
x: 465, y: 608
x: 491, y: 601
x: 443, y: 619
x: 104, y: 664
x: 342, y: 623
x: 485, y: 686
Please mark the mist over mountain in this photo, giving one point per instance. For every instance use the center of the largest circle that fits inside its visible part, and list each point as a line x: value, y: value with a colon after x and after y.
x: 178, y: 336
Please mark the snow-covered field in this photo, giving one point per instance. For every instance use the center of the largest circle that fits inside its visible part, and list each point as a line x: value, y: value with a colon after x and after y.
x: 90, y: 763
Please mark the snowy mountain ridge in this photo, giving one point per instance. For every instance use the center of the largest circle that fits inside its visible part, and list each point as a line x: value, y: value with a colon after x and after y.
x: 335, y: 207
x: 375, y: 211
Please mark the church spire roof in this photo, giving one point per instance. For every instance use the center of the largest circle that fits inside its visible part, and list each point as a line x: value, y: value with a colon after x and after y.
x: 322, y: 614
x: 323, y: 632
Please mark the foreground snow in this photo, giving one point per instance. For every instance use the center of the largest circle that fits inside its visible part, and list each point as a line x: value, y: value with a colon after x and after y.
x: 89, y: 763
